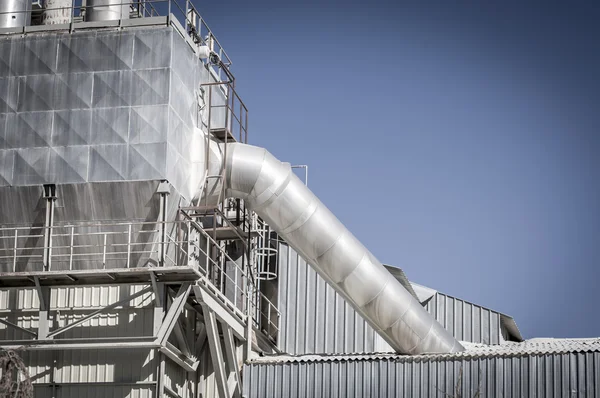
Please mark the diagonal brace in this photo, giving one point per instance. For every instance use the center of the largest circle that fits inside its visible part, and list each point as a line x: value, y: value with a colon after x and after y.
x: 234, y: 379
x: 216, y: 354
x: 98, y: 312
x: 12, y: 325
x: 173, y: 314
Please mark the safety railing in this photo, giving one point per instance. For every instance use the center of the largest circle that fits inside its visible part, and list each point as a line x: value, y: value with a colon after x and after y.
x: 266, y: 316
x: 113, y: 246
x: 226, y: 111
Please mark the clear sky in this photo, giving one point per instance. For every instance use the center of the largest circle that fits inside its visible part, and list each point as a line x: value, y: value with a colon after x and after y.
x: 459, y: 141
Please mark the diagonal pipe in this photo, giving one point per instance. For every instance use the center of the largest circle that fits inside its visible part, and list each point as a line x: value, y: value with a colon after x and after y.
x: 273, y: 191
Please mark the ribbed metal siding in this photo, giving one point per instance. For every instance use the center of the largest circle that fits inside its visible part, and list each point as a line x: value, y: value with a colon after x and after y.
x: 20, y: 306
x: 314, y: 318
x: 558, y: 375
x: 466, y: 321
x: 101, y: 373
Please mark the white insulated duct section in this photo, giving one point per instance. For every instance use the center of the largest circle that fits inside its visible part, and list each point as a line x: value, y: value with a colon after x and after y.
x: 106, y: 10
x: 273, y: 191
x: 57, y: 12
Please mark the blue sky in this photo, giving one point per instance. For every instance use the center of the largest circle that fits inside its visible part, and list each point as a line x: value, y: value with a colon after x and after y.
x: 459, y: 141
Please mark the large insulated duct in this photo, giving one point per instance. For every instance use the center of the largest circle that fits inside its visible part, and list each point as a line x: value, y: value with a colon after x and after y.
x: 272, y: 190
x: 57, y: 12
x: 15, y: 13
x: 106, y: 10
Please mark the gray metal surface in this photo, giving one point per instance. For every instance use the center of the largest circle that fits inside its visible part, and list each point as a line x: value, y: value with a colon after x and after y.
x: 466, y: 321
x: 99, y: 106
x: 316, y: 319
x: 15, y: 13
x: 106, y: 10
x: 276, y: 194
x: 573, y: 374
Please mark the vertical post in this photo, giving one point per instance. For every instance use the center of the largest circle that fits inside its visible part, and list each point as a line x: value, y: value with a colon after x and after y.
x: 235, y: 284
x: 159, y: 303
x: 208, y: 258
x: 128, y: 245
x: 249, y: 320
x: 71, y: 249
x: 50, y: 196
x: 163, y: 192
x: 15, y: 250
x: 104, y: 253
x: 43, y: 317
x: 207, y: 146
x: 160, y: 382
x: 189, y: 246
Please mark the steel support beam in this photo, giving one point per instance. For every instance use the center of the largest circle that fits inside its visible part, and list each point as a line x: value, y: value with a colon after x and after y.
x: 10, y: 345
x: 44, y: 313
x: 174, y: 354
x: 233, y: 380
x: 220, y: 311
x: 214, y: 344
x: 180, y: 335
x: 173, y: 314
x: 12, y: 325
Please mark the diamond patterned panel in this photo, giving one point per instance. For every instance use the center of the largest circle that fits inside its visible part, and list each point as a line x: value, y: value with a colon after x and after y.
x: 178, y: 170
x: 73, y: 91
x: 110, y: 126
x: 33, y: 55
x: 147, y: 161
x: 7, y: 161
x: 150, y: 87
x: 183, y: 100
x: 33, y: 129
x: 36, y: 93
x: 151, y: 49
x: 184, y: 62
x: 72, y: 127
x: 180, y: 135
x: 102, y: 117
x: 68, y: 164
x: 87, y: 52
x: 112, y: 89
x: 9, y: 90
x: 3, y: 143
x: 148, y: 124
x: 108, y: 163
x: 31, y: 165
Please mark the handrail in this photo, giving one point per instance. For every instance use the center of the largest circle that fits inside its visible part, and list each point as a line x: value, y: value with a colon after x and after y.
x: 183, y: 10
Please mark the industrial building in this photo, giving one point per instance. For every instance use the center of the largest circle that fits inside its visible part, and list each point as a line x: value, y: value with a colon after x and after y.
x: 147, y: 250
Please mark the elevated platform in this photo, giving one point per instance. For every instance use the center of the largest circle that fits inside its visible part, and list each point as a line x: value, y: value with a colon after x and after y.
x: 99, y: 276
x: 222, y: 133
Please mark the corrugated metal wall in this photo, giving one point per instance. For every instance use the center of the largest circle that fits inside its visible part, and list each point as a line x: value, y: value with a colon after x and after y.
x: 557, y: 375
x: 92, y: 373
x: 315, y: 319
x: 20, y: 306
x: 466, y: 321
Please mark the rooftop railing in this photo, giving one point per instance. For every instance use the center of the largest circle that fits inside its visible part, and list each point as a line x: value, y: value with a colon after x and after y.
x: 183, y: 11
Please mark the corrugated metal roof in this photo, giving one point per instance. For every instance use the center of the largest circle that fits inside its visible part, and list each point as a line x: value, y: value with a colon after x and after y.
x: 473, y: 351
